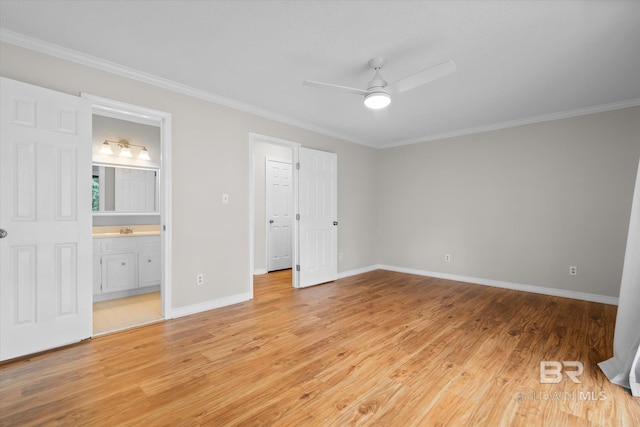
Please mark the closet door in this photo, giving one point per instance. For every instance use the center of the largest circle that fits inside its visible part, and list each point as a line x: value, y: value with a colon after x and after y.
x: 45, y: 212
x: 318, y: 204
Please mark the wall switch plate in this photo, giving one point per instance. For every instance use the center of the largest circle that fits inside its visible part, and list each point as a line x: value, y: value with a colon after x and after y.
x: 573, y: 270
x: 200, y: 279
x: 225, y: 198
x: 447, y: 258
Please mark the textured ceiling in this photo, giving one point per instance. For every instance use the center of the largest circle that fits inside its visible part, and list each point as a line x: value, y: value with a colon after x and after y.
x: 516, y: 60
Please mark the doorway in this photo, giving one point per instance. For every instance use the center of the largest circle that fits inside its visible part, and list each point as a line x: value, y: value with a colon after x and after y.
x: 279, y: 211
x: 131, y: 218
x: 282, y: 232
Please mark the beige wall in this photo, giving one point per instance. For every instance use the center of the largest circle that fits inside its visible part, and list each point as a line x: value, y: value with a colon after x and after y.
x: 211, y: 157
x: 518, y: 205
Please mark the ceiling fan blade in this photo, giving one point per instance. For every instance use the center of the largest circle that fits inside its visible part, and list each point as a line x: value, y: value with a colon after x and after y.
x: 338, y: 87
x: 423, y: 77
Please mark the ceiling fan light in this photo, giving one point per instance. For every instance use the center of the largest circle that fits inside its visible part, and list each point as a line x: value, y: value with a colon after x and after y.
x: 377, y: 100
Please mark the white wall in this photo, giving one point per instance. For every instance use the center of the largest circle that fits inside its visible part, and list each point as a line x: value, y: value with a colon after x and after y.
x: 518, y: 205
x: 211, y: 156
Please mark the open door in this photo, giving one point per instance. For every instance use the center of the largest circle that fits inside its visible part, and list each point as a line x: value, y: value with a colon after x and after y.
x: 45, y: 212
x: 318, y: 206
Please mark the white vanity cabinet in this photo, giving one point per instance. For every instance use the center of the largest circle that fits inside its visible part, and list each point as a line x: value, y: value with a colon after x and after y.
x: 149, y: 270
x: 127, y: 263
x: 119, y: 272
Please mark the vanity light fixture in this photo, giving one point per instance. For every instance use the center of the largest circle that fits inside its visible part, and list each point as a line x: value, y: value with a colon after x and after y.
x: 144, y: 154
x: 125, y: 149
x: 106, y: 148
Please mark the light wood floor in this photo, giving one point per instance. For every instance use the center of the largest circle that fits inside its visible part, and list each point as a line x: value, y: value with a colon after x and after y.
x: 381, y: 348
x: 122, y: 313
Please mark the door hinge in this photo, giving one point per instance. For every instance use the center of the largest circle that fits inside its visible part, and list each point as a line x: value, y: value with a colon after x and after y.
x: 298, y: 165
x: 297, y: 217
x: 297, y: 267
x: 164, y: 227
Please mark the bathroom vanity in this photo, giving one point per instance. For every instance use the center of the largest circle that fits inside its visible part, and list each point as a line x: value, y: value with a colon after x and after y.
x: 126, y: 261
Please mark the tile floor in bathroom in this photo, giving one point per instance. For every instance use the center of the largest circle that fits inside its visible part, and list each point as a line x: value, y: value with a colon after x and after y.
x: 122, y: 313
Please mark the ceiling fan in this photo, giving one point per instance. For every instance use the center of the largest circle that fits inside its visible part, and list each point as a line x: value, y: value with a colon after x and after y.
x: 378, y: 92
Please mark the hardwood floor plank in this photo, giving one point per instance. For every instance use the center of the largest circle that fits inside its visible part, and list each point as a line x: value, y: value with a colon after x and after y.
x: 381, y: 348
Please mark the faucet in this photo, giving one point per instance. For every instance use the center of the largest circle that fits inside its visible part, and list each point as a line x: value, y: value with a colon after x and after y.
x: 127, y: 230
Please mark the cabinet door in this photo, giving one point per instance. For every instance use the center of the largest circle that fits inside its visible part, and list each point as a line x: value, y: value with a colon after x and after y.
x: 119, y: 272
x: 149, y: 270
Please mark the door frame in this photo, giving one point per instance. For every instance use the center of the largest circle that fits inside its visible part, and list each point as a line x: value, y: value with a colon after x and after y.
x: 267, y: 247
x: 133, y: 113
x: 255, y: 138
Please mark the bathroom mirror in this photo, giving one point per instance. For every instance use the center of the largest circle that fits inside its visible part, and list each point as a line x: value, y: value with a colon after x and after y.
x: 124, y: 190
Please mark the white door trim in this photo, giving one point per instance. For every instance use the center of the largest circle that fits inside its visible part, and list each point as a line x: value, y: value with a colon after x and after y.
x: 133, y: 113
x: 255, y: 138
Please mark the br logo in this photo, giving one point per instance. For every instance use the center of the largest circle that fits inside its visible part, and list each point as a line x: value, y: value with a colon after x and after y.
x: 551, y: 371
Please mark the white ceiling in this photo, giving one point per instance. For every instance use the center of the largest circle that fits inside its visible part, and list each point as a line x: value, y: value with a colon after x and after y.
x: 516, y: 60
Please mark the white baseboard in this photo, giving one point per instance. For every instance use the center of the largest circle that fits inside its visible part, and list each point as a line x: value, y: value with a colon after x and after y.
x: 508, y: 285
x: 259, y: 271
x: 353, y: 272
x: 208, y: 305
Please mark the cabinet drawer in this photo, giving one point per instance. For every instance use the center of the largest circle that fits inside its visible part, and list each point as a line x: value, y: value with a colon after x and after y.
x: 118, y: 245
x: 148, y: 244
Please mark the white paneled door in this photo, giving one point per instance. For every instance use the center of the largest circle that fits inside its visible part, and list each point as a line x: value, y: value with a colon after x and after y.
x: 279, y: 208
x: 318, y: 205
x: 45, y: 210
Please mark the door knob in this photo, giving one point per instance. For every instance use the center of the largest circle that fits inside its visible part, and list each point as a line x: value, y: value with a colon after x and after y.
x: 271, y: 221
x: 3, y: 233
x: 335, y: 222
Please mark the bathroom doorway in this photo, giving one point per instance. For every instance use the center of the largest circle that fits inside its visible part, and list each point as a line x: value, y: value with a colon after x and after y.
x: 130, y: 207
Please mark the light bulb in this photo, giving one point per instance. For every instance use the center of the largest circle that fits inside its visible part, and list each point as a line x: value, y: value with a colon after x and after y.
x: 377, y: 100
x: 125, y: 152
x: 106, y: 148
x: 144, y: 154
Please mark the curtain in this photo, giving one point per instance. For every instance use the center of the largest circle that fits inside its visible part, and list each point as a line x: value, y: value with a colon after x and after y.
x: 624, y: 367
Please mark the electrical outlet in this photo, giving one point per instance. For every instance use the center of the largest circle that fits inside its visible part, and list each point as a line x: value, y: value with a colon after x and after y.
x: 447, y: 258
x: 225, y: 198
x: 573, y: 270
x: 200, y: 279
x: 340, y: 256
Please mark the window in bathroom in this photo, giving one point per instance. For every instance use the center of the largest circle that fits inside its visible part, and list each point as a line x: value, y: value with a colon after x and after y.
x: 95, y: 193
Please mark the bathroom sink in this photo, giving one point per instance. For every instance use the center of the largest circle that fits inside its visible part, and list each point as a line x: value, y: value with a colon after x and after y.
x: 125, y: 231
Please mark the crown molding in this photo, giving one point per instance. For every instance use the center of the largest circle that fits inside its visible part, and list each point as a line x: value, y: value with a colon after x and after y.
x: 635, y: 102
x: 57, y: 51
x: 60, y: 52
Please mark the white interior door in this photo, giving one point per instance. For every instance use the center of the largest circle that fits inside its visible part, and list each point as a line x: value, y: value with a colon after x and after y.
x: 45, y: 208
x: 318, y: 205
x: 279, y: 208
